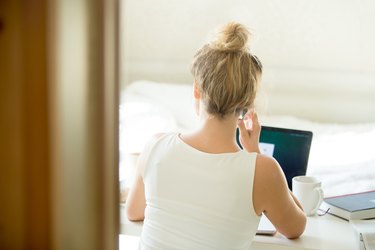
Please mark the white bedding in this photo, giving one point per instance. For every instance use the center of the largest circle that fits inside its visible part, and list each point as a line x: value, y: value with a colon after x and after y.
x: 342, y: 155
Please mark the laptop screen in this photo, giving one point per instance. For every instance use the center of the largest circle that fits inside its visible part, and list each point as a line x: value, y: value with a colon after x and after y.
x: 290, y: 147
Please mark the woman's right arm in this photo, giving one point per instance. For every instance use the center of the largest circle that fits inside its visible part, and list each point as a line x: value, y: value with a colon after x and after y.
x: 271, y: 194
x: 272, y: 197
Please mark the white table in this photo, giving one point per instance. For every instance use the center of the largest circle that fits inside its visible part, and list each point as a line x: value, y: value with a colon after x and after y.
x: 322, y: 232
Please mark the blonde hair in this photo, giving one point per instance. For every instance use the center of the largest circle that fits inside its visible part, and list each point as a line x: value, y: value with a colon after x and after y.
x: 226, y: 73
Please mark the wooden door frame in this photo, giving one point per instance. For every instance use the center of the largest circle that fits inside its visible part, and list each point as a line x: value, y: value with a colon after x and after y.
x: 85, y: 73
x: 59, y: 124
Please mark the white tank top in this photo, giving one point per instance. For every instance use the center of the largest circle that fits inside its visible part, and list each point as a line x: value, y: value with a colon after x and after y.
x: 197, y: 200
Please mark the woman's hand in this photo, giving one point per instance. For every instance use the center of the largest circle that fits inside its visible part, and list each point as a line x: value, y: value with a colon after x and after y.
x: 249, y: 128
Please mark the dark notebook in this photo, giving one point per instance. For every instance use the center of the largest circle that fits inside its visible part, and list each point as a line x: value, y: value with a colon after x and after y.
x: 351, y: 206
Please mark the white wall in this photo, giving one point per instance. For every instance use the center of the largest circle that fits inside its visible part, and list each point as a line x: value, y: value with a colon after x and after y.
x: 319, y: 56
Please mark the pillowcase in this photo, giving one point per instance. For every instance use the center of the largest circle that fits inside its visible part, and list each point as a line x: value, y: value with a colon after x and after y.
x: 139, y: 121
x: 176, y: 98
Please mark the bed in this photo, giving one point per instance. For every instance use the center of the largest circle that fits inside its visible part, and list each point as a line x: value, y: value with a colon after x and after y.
x: 342, y: 154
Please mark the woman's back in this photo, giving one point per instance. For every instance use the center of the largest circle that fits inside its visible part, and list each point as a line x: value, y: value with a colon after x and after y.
x: 201, y: 202
x: 199, y: 190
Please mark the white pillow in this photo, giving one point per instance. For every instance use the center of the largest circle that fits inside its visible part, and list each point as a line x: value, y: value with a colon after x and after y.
x: 177, y: 98
x: 139, y: 121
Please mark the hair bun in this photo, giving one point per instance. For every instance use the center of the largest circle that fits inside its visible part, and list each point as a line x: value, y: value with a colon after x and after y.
x: 231, y: 37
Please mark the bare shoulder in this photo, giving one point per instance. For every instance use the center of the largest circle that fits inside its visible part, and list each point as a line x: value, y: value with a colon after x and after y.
x: 269, y: 180
x: 267, y: 168
x: 266, y: 161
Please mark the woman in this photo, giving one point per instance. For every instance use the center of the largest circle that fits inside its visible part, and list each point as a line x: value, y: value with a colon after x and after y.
x: 200, y: 190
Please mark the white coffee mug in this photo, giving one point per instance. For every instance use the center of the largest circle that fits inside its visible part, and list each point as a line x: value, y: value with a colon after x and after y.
x: 308, y: 190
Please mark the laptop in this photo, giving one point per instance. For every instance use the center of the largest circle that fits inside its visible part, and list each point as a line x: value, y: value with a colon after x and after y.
x: 291, y: 148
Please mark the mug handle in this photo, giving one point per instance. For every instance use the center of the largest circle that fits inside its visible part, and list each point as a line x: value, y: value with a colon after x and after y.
x: 319, y: 190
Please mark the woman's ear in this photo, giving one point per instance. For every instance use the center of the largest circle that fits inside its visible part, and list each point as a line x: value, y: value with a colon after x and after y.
x: 197, y: 97
x: 196, y: 92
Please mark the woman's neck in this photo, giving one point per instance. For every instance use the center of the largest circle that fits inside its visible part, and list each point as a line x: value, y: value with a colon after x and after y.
x: 214, y: 135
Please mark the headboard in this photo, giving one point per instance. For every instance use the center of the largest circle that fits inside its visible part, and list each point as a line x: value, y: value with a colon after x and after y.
x: 318, y: 59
